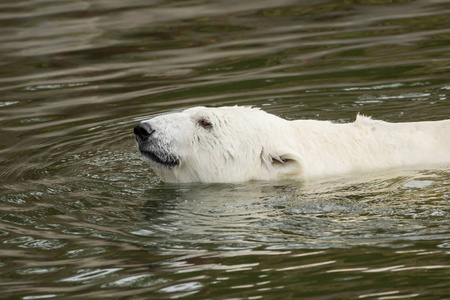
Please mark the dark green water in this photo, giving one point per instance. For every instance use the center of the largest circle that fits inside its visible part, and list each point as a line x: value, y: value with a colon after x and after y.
x: 83, y: 217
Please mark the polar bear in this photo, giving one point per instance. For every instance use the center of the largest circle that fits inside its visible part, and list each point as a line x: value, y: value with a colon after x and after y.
x: 236, y: 144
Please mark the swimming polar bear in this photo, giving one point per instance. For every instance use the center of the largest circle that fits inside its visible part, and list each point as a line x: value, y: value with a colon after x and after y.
x: 235, y: 144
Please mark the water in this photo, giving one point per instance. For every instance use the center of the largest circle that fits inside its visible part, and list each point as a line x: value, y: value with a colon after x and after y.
x: 82, y: 216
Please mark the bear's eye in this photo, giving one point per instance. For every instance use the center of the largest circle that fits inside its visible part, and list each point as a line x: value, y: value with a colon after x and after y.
x: 205, y: 123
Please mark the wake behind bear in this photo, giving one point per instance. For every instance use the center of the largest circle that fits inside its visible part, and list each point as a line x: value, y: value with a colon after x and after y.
x: 237, y: 144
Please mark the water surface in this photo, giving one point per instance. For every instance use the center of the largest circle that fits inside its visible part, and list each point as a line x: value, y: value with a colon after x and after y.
x: 82, y: 216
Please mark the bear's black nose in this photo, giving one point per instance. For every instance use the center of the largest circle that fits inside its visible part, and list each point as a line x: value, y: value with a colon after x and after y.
x: 143, y: 130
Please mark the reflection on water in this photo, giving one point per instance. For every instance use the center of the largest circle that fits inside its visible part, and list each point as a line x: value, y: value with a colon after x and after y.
x: 82, y: 216
x: 385, y: 211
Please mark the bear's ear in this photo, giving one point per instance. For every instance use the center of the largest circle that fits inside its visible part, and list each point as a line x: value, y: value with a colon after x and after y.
x: 286, y: 163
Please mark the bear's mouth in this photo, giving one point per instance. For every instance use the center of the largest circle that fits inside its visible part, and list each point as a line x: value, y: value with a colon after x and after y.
x: 169, y: 161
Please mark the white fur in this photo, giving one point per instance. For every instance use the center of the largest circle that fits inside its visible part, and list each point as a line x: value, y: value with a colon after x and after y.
x: 249, y: 144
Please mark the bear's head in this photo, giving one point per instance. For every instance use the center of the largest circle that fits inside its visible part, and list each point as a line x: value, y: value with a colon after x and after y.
x: 226, y: 144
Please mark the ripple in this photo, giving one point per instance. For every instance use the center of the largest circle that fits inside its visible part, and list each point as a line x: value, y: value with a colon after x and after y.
x: 87, y: 275
x: 32, y: 243
x: 182, y: 287
x: 144, y: 280
x: 38, y: 271
x: 92, y: 251
x: 49, y: 296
